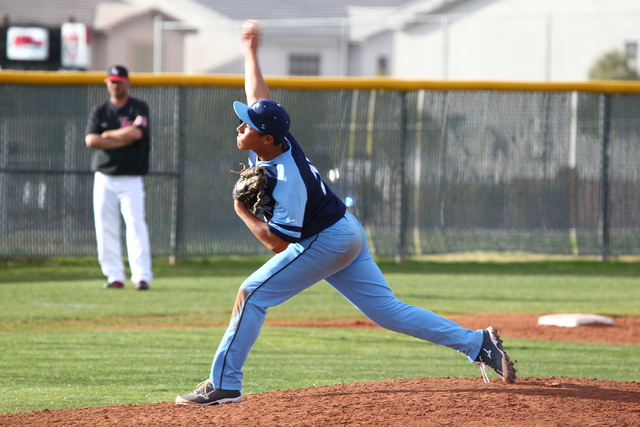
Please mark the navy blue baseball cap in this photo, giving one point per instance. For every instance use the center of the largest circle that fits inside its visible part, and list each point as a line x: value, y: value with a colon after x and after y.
x: 118, y: 73
x: 266, y: 116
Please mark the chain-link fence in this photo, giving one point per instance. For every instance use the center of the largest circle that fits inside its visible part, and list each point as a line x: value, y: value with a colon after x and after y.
x: 426, y: 170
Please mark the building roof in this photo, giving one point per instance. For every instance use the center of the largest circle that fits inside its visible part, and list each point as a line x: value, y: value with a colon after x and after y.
x: 110, y: 15
x: 50, y: 13
x: 292, y: 9
x: 55, y: 12
x: 325, y: 18
x: 320, y: 19
x: 101, y: 15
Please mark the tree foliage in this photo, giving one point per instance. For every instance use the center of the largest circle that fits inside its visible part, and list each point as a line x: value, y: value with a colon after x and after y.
x: 613, y: 65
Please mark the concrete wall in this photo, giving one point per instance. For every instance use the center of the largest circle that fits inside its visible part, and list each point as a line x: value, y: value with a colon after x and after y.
x: 131, y: 44
x: 369, y: 52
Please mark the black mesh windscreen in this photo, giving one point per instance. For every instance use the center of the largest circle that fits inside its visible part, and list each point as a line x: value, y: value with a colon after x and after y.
x: 425, y: 171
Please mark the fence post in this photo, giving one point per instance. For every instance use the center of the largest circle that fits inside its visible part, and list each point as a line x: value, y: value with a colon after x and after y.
x: 178, y: 191
x: 401, y: 201
x: 4, y: 198
x: 442, y: 159
x: 157, y: 43
x: 573, y: 194
x: 603, y: 220
x: 415, y: 180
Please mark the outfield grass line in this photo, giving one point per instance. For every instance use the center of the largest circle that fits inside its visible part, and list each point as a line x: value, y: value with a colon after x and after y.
x: 23, y: 270
x: 172, y: 322
x: 85, y: 368
x: 193, y: 320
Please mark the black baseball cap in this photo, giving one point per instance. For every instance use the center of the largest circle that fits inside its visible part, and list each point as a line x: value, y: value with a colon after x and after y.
x: 266, y: 116
x: 117, y: 72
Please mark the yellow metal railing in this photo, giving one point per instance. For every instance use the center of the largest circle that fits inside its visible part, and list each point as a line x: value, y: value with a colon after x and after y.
x: 317, y: 83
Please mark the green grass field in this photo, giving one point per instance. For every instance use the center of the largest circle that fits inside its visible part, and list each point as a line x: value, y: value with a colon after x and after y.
x: 67, y: 343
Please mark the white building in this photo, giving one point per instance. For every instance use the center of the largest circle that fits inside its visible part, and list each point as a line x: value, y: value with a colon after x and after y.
x: 522, y: 40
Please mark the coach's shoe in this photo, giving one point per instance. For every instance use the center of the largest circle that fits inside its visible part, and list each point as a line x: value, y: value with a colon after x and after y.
x: 117, y: 285
x: 205, y: 394
x: 493, y: 355
x: 142, y: 286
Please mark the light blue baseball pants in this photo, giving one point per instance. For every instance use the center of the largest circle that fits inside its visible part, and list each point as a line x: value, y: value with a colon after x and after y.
x: 339, y: 255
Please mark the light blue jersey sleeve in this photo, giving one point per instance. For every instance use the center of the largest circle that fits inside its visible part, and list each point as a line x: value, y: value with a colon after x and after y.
x: 290, y: 194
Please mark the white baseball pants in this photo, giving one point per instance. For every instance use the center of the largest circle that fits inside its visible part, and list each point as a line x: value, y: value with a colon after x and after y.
x: 113, y: 195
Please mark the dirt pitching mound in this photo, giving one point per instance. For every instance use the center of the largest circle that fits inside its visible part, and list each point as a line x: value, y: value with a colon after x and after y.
x: 548, y: 401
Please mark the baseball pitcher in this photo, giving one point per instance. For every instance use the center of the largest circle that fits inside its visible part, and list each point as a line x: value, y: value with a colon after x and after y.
x: 313, y: 237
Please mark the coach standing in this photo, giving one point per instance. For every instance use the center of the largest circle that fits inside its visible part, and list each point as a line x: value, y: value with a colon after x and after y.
x: 118, y: 131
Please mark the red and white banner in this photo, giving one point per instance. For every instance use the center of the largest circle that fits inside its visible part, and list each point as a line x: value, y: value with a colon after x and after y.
x: 76, y: 45
x: 27, y: 44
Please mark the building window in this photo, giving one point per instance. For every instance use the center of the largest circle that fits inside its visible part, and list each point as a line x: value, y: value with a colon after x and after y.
x: 304, y: 65
x: 382, y: 66
x: 631, y: 54
x: 631, y: 49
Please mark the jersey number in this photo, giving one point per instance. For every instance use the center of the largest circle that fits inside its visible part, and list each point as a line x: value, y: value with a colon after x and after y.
x: 318, y: 177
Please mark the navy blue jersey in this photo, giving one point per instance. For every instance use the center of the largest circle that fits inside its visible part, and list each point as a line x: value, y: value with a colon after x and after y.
x: 298, y: 203
x: 132, y: 159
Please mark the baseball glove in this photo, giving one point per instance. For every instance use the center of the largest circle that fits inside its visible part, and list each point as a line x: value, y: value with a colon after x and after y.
x: 250, y: 187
